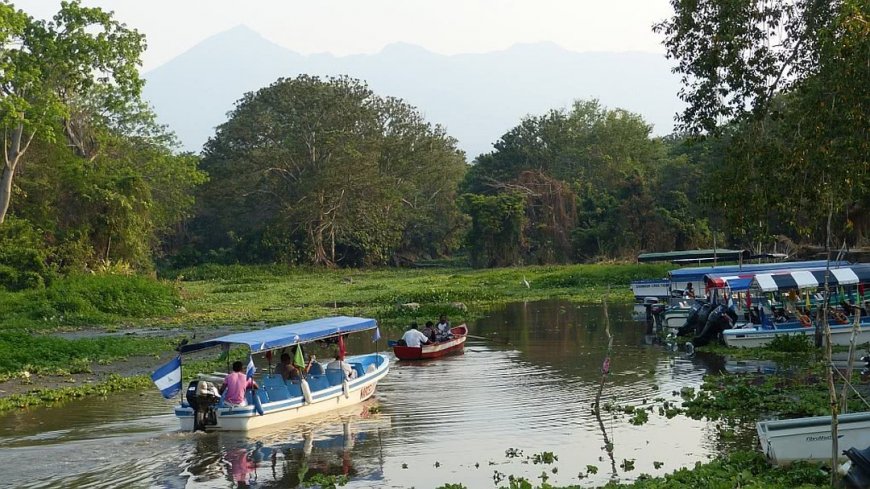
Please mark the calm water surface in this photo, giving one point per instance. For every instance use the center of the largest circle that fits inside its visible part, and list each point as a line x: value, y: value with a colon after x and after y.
x: 475, y: 418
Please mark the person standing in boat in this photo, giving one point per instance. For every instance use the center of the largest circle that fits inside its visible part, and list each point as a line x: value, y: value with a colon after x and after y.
x: 414, y: 338
x: 442, y: 329
x: 690, y: 291
x: 236, y: 384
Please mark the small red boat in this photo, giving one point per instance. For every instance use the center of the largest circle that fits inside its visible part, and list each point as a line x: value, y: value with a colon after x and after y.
x: 435, y: 349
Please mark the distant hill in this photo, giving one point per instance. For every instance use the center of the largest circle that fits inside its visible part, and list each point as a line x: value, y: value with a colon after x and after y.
x: 477, y: 97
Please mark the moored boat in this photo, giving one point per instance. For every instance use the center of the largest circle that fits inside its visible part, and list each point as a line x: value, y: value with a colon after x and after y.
x: 277, y: 401
x: 788, y: 440
x: 456, y: 344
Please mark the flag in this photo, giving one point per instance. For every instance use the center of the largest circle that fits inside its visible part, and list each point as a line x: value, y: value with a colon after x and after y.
x: 299, y: 359
x: 377, y: 335
x: 251, y: 368
x: 168, y: 378
x: 341, y: 348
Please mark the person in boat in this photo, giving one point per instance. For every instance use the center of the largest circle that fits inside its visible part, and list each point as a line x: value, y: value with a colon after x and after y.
x: 290, y: 371
x: 235, y: 385
x: 689, y: 293
x: 442, y: 329
x: 429, y: 331
x: 340, y: 364
x: 413, y: 337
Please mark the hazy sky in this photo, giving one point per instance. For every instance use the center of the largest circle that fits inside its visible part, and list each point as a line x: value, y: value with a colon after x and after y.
x: 365, y: 26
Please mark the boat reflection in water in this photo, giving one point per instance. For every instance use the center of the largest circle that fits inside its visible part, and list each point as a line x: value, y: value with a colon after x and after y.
x: 287, y: 458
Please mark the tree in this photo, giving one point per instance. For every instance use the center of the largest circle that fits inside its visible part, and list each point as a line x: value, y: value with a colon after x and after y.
x: 62, y: 78
x: 785, y: 82
x: 326, y: 172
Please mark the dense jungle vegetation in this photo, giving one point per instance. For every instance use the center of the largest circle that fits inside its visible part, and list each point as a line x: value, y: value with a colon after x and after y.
x: 326, y: 172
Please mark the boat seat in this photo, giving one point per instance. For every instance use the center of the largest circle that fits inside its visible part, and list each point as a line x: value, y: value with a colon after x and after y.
x: 318, y: 382
x: 315, y: 369
x: 263, y: 395
x: 295, y: 390
x: 360, y: 371
x: 275, y: 387
x: 335, y: 376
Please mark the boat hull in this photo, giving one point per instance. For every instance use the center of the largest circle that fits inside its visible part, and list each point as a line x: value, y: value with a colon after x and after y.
x: 287, y: 410
x: 790, y: 440
x: 841, y: 334
x: 435, y: 350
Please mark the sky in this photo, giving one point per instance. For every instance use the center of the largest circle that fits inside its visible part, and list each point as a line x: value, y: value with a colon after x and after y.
x: 344, y: 27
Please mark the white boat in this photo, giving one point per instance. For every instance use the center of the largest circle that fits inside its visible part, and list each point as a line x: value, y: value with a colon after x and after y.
x: 754, y: 337
x: 277, y: 401
x: 788, y: 440
x: 658, y: 288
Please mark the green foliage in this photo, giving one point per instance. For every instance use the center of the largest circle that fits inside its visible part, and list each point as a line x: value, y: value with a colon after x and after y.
x: 20, y: 352
x: 42, y: 397
x: 324, y: 481
x: 495, y: 238
x: 326, y: 172
x: 88, y: 300
x: 797, y: 343
x: 22, y: 257
x: 782, y: 88
x: 747, y: 470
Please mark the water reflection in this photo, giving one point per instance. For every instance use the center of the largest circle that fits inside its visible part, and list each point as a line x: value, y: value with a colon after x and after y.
x: 527, y: 391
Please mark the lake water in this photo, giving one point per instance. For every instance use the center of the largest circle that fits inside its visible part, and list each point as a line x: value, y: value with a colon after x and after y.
x: 476, y: 418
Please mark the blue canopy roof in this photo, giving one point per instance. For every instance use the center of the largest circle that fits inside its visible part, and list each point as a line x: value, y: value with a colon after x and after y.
x: 696, y: 274
x: 288, y: 334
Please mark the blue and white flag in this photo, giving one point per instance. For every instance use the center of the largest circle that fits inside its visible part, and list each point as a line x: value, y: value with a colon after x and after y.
x: 168, y: 378
x: 377, y: 335
x: 251, y: 367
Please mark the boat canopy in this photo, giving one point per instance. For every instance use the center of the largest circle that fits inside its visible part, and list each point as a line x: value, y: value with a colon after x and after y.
x: 811, y: 279
x: 737, y: 283
x: 288, y: 334
x: 689, y: 256
x: 696, y: 274
x: 740, y: 282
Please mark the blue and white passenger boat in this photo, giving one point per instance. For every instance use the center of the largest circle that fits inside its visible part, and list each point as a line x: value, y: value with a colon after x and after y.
x: 750, y: 335
x: 277, y: 401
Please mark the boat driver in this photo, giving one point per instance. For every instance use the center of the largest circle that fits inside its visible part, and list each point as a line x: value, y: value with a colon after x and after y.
x: 414, y: 338
x: 235, y: 386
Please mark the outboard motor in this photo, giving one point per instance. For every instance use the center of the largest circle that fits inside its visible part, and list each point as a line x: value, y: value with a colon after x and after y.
x: 720, y: 319
x: 858, y: 476
x: 654, y: 312
x: 696, y: 320
x: 202, y: 396
x: 865, y: 372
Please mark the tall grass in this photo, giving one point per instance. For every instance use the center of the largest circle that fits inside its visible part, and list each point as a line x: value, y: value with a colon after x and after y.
x: 88, y: 300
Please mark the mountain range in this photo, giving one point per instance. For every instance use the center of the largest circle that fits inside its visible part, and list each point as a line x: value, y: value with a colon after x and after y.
x: 476, y: 97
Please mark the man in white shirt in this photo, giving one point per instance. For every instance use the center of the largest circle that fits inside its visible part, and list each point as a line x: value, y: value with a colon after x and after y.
x: 339, y: 364
x: 414, y: 338
x: 442, y: 329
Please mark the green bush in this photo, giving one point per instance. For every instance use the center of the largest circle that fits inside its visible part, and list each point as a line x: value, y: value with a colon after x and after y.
x: 89, y: 299
x: 23, y: 256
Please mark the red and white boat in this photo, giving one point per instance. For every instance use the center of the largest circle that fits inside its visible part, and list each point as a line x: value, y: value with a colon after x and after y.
x: 434, y: 349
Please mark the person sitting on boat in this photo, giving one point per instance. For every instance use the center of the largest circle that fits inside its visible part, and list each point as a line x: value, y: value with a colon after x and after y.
x: 340, y: 364
x: 290, y: 371
x: 689, y: 293
x: 442, y: 329
x: 429, y: 331
x: 414, y: 338
x: 235, y: 385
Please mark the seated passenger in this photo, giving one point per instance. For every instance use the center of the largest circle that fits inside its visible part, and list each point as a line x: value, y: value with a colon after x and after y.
x: 292, y: 372
x: 429, y: 331
x: 414, y: 338
x: 442, y: 329
x: 235, y: 385
x: 340, y: 364
x: 689, y: 293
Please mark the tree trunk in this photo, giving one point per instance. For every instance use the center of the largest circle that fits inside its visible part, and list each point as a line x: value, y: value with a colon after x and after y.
x: 11, y: 153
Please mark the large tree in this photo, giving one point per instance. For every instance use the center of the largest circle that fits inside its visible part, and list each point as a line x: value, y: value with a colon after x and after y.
x: 326, y: 172
x: 785, y: 83
x: 63, y: 79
